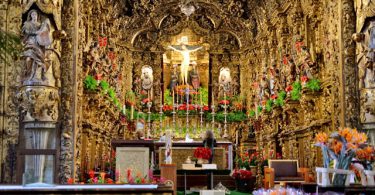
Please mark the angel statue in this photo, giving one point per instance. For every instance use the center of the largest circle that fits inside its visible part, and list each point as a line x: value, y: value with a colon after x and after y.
x: 185, y: 51
x: 147, y: 79
x: 36, y: 40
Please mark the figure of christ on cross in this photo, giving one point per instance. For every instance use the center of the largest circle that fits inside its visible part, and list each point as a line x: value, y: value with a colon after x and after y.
x: 185, y: 51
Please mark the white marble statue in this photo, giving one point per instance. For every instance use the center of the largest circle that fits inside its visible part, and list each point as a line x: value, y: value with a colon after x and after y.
x: 147, y: 79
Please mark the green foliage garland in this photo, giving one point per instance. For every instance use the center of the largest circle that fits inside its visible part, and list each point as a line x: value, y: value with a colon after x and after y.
x: 231, y: 116
x: 313, y: 85
x: 280, y: 99
x: 269, y: 105
x: 252, y: 113
x: 90, y: 83
x: 104, y: 85
x: 296, y: 91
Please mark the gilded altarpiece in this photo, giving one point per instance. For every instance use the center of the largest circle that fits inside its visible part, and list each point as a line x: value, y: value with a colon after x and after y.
x: 259, y: 42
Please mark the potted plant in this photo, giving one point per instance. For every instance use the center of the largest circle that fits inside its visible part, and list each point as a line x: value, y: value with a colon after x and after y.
x: 244, y: 181
x: 341, y: 146
x: 202, y: 154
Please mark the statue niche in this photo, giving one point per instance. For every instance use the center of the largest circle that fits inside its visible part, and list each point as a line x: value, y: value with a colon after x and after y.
x: 186, y: 67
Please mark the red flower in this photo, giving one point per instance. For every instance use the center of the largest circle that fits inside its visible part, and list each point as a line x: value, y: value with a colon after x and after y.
x: 304, y: 79
x: 167, y: 108
x: 289, y: 88
x: 205, y: 108
x: 143, y: 92
x: 241, y: 174
x: 98, y: 77
x: 182, y: 107
x: 102, y: 41
x: 92, y: 173
x: 145, y: 101
x: 298, y: 45
x: 285, y: 60
x: 202, y: 152
x: 70, y: 181
x: 109, y: 181
x: 224, y: 102
x: 264, y: 102
x: 111, y: 55
x: 191, y: 107
x: 273, y: 96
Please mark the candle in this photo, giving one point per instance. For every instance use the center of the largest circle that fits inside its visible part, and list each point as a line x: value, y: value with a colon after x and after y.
x: 225, y: 97
x: 213, y: 99
x: 236, y: 137
x: 132, y: 112
x: 177, y: 96
x: 161, y: 96
x: 200, y: 93
x: 173, y: 96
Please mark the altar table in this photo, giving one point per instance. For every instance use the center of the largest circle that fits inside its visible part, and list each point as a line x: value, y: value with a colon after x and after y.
x: 224, y: 148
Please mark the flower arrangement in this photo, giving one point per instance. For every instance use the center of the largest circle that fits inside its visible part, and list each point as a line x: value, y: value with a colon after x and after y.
x: 245, y: 160
x: 145, y: 101
x: 167, y: 108
x: 202, y: 152
x: 241, y: 174
x: 342, y: 146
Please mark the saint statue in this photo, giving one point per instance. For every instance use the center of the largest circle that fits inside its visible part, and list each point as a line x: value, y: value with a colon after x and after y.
x: 225, y: 81
x: 147, y: 78
x: 36, y: 38
x: 174, y: 78
x: 194, y: 76
x: 185, y: 51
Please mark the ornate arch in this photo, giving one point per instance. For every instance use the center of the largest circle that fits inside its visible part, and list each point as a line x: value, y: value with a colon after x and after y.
x: 208, y: 20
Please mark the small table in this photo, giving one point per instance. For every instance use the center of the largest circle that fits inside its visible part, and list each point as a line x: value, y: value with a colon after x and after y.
x: 197, y: 171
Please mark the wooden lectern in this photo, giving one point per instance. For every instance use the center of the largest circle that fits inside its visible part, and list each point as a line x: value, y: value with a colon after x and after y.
x: 169, y: 172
